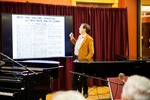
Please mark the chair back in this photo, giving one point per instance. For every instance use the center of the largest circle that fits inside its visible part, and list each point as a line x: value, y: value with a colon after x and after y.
x: 115, y: 87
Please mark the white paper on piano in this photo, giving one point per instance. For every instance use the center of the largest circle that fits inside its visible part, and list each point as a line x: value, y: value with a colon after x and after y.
x: 7, y: 94
x: 41, y: 61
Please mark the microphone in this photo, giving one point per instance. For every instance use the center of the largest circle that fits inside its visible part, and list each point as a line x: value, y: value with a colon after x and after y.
x: 121, y: 76
x: 18, y: 63
x: 83, y: 74
x: 2, y: 63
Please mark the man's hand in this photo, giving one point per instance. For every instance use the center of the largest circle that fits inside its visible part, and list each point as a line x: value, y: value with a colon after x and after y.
x: 71, y: 35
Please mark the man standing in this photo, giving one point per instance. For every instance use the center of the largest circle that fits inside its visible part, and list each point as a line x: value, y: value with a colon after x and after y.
x: 84, y: 49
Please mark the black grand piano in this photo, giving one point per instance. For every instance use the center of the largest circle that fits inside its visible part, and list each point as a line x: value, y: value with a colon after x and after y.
x: 27, y: 83
x: 107, y: 68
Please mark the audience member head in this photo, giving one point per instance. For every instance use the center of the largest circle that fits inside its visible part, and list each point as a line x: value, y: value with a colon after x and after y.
x: 136, y: 88
x: 68, y: 95
x: 121, y: 76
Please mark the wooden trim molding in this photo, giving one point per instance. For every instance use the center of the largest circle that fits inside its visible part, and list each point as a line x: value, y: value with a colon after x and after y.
x: 145, y: 2
x: 114, y: 3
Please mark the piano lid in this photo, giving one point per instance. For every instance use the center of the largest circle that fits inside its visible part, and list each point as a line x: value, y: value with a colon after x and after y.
x: 118, y: 59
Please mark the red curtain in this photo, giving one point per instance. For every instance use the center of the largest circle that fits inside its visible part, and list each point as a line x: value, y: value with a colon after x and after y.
x: 109, y: 28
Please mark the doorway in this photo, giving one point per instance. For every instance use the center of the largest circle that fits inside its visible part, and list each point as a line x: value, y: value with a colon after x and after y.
x: 145, y: 11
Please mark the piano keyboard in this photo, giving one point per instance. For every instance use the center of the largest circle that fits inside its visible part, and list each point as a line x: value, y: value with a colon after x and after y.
x: 7, y: 94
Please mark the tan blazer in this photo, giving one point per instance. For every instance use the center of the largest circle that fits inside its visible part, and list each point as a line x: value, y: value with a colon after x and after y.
x: 86, y: 50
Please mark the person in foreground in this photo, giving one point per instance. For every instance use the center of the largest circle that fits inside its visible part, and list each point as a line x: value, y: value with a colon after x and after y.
x: 84, y: 49
x: 68, y: 95
x: 136, y: 88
